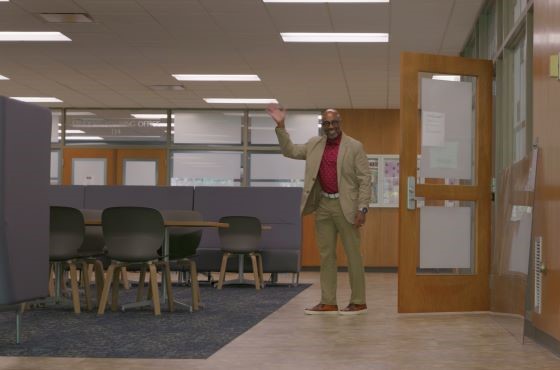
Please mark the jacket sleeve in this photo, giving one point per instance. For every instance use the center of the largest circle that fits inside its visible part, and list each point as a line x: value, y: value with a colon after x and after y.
x: 363, y: 174
x: 289, y: 149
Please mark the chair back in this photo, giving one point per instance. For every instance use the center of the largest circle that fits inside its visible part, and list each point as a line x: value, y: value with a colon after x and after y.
x: 66, y: 233
x: 243, y: 234
x: 132, y: 233
x: 183, y: 241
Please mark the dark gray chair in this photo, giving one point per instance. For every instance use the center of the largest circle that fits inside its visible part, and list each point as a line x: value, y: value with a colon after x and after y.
x: 133, y: 236
x: 241, y: 238
x: 183, y: 242
x: 65, y: 239
x: 92, y: 250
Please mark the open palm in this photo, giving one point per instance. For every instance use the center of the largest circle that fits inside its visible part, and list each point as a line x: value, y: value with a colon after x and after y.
x: 276, y: 112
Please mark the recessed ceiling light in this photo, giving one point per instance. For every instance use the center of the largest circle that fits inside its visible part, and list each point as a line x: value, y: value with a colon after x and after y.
x: 3, y: 78
x: 334, y: 37
x: 33, y: 36
x: 447, y: 78
x: 84, y: 138
x: 72, y: 132
x: 151, y: 115
x: 37, y: 99
x: 326, y: 1
x: 239, y: 101
x: 76, y: 113
x: 181, y: 77
x: 66, y: 17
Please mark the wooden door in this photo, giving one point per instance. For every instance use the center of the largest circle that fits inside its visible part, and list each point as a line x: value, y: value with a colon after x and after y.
x: 88, y: 166
x: 444, y: 220
x: 152, y: 162
x: 92, y: 166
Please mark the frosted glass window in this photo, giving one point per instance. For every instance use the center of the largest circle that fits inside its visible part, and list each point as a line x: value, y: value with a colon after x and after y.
x: 206, y: 169
x: 89, y: 171
x: 55, y: 155
x: 519, y: 100
x: 445, y: 237
x: 300, y: 125
x: 116, y: 125
x: 447, y: 129
x: 206, y: 127
x: 140, y: 172
x: 275, y: 168
x: 56, y: 125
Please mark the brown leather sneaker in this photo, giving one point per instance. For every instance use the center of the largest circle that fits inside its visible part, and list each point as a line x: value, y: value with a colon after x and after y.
x: 354, y: 309
x: 322, y: 309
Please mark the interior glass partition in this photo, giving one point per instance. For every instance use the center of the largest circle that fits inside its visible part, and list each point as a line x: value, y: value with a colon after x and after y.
x: 116, y: 126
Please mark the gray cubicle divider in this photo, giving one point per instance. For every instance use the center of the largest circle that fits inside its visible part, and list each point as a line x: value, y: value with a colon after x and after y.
x: 67, y: 196
x: 158, y: 197
x: 25, y: 131
x: 274, y: 206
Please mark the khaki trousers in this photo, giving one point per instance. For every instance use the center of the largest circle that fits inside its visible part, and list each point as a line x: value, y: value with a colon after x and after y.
x: 330, y: 222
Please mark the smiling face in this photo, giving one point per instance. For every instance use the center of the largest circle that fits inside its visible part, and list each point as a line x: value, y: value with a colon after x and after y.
x: 331, y: 123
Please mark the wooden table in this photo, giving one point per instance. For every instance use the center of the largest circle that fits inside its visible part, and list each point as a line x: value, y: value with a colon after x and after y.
x: 165, y: 253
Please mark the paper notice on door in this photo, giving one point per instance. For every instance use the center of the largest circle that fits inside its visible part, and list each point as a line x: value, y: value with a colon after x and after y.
x: 446, y: 156
x: 433, y: 128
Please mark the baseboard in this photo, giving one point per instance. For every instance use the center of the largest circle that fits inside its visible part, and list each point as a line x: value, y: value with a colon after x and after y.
x: 542, y: 338
x: 345, y: 269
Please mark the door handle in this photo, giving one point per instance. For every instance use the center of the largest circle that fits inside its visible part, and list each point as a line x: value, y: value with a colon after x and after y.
x: 411, y: 193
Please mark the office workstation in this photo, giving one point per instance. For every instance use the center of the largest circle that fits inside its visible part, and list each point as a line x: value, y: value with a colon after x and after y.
x: 175, y: 113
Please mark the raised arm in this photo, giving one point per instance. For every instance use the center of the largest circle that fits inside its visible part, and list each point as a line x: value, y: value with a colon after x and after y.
x: 289, y: 149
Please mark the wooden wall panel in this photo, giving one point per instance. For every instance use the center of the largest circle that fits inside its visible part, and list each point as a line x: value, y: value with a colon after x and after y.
x: 378, y: 130
x: 546, y: 130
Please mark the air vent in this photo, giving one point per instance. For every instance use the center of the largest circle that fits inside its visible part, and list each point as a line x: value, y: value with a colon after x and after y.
x: 538, y: 274
x: 66, y: 17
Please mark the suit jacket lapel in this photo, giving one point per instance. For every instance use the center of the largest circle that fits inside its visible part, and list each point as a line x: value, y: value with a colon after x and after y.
x: 340, y: 158
x: 317, y: 154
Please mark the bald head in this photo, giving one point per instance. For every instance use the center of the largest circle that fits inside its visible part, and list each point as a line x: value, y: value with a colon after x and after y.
x: 330, y: 123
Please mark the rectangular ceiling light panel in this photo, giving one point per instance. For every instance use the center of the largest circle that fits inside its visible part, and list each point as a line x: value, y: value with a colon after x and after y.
x: 239, y: 101
x: 327, y: 1
x: 195, y: 77
x: 33, y: 36
x: 334, y: 37
x: 37, y: 99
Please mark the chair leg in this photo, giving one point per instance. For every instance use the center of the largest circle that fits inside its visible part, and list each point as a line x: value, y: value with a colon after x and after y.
x: 74, y: 286
x: 260, y: 266
x: 255, y: 270
x: 52, y: 280
x: 115, y: 290
x: 167, y: 282
x: 124, y: 278
x: 99, y: 278
x: 195, y: 288
x: 141, y: 283
x: 106, y: 287
x: 154, y: 289
x: 223, y: 270
x: 86, y: 283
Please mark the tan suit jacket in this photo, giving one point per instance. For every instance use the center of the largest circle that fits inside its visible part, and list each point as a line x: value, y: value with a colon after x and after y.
x: 354, y: 176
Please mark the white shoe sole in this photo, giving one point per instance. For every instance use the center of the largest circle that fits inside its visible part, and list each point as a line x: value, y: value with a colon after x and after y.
x: 309, y: 312
x: 350, y: 313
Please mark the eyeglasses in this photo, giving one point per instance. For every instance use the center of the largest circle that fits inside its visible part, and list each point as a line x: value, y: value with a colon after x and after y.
x: 332, y: 123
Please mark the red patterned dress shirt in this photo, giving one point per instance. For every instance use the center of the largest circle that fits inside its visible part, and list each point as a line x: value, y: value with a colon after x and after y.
x: 327, y: 170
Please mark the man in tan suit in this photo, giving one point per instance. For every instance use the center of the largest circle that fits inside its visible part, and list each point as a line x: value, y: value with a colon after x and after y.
x: 337, y: 188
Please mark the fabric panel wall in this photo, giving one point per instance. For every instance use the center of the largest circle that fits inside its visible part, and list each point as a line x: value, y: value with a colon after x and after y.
x: 24, y: 192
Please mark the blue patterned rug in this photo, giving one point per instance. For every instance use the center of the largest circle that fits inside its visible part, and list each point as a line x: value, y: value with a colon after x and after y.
x: 227, y: 313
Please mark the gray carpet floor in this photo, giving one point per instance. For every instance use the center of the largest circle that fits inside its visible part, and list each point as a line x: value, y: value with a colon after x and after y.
x: 227, y: 313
